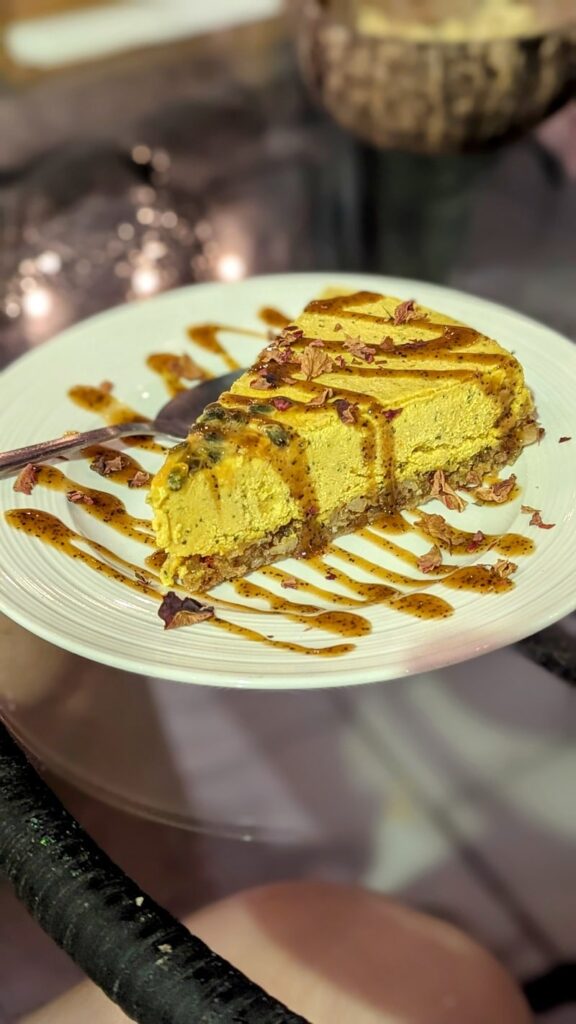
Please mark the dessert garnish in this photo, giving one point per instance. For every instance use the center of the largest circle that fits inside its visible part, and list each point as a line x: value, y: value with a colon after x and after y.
x: 177, y: 612
x: 26, y: 479
x: 442, y: 490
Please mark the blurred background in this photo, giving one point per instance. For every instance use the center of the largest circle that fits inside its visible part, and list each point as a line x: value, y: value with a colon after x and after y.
x: 148, y: 144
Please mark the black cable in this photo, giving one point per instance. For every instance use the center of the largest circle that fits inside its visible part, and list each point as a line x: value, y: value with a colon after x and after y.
x: 141, y: 957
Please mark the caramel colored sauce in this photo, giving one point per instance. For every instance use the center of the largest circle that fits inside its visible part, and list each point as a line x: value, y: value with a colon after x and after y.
x: 167, y: 366
x: 155, y: 560
x: 273, y: 317
x: 482, y: 579
x: 56, y: 534
x: 112, y: 411
x: 206, y: 336
x: 343, y: 623
x: 103, y: 506
x: 335, y: 651
x: 395, y: 579
x: 423, y: 606
x: 462, y: 542
x: 395, y: 549
x: 119, y: 476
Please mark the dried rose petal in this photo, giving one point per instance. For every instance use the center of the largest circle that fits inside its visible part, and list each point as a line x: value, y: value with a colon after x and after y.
x: 528, y: 510
x: 475, y: 541
x: 281, y: 403
x: 176, y: 612
x: 140, y: 479
x: 431, y: 560
x: 291, y: 333
x: 359, y: 349
x: 106, y: 386
x: 80, y: 498
x: 312, y: 510
x: 391, y: 414
x: 314, y: 362
x: 504, y: 568
x: 473, y: 480
x: 347, y: 411
x: 498, y: 492
x: 274, y: 354
x: 104, y: 465
x: 316, y: 343
x: 437, y: 527
x: 289, y: 582
x: 340, y: 362
x: 562, y: 440
x: 263, y: 383
x: 442, y: 490
x: 26, y: 479
x: 404, y: 311
x: 536, y: 520
x: 320, y: 399
x: 387, y: 344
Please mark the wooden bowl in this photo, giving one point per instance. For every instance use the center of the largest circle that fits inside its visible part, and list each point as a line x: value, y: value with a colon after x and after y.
x: 433, y: 95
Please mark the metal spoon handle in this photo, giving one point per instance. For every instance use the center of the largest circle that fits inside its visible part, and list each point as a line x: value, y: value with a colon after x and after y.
x: 20, y: 457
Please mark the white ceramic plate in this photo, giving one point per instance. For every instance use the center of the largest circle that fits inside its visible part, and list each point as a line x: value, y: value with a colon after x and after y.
x: 71, y: 606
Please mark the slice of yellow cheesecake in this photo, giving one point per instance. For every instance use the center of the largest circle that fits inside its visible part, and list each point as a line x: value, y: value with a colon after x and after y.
x: 350, y: 412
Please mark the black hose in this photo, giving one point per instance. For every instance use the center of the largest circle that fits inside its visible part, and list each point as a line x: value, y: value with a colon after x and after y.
x: 142, y: 958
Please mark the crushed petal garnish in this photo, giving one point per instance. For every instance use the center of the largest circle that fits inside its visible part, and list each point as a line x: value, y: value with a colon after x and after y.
x: 26, y: 479
x: 391, y: 414
x: 340, y: 362
x: 314, y: 362
x: 316, y: 343
x: 176, y: 612
x: 528, y: 510
x: 264, y: 382
x: 290, y: 333
x: 498, y: 492
x: 347, y: 411
x: 473, y: 480
x: 475, y: 541
x: 437, y: 527
x: 504, y: 568
x: 79, y: 498
x: 359, y: 349
x: 387, y: 344
x: 562, y: 440
x: 106, y: 386
x: 431, y: 560
x: 442, y: 490
x: 536, y: 520
x: 289, y: 582
x: 404, y: 311
x: 140, y: 479
x: 281, y: 403
x: 320, y: 399
x: 104, y: 465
